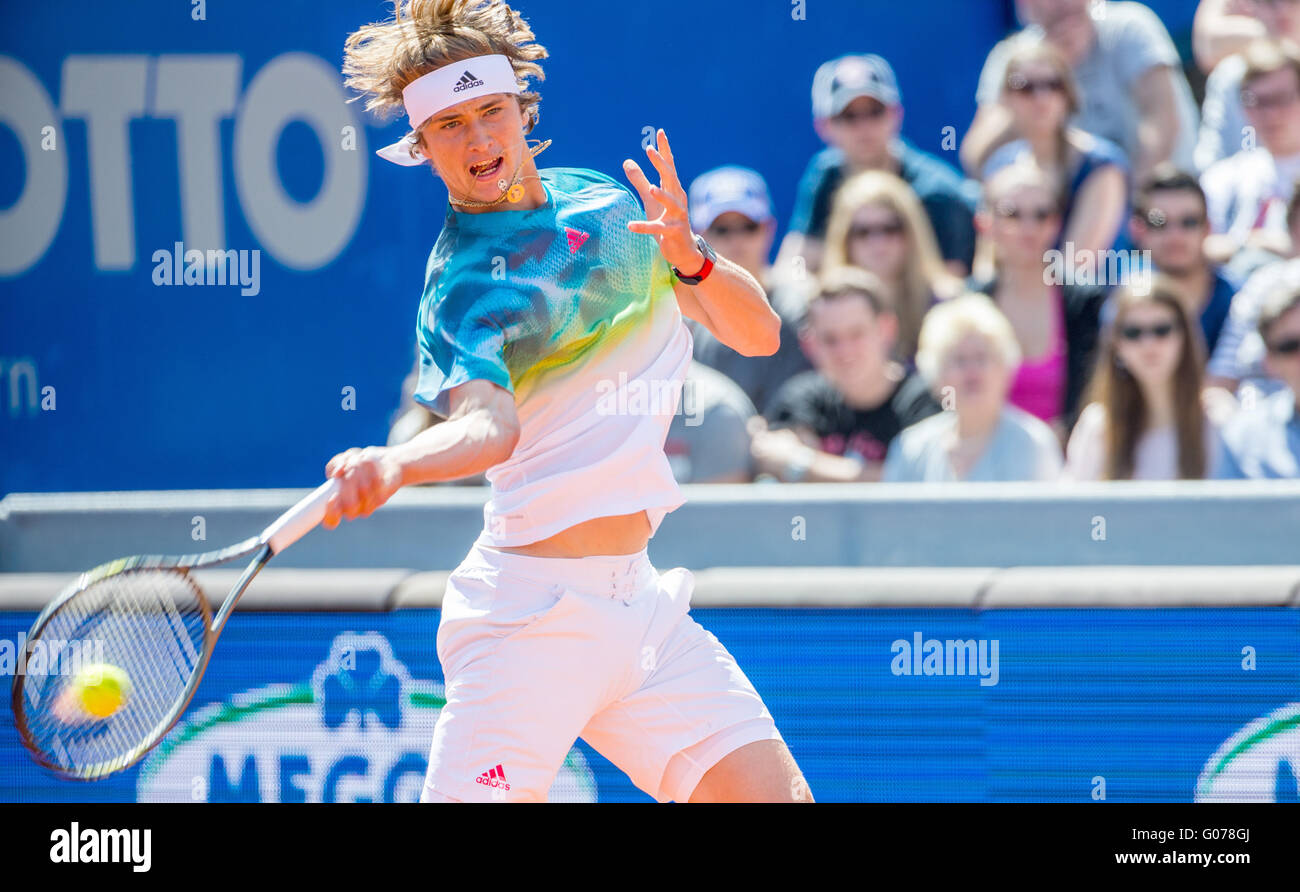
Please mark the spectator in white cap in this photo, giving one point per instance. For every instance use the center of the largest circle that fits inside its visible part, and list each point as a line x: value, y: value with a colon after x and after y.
x: 732, y: 208
x: 858, y: 113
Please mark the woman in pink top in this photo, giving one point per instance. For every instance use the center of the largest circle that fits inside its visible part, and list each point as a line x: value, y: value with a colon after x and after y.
x: 1145, y: 420
x: 1039, y: 384
x: 1056, y: 324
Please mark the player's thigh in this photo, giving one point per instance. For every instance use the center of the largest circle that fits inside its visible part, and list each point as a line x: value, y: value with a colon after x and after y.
x: 514, y: 707
x: 693, y: 707
x: 761, y: 771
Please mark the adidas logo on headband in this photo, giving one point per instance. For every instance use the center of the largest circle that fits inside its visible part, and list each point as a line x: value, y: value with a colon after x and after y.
x: 466, y: 81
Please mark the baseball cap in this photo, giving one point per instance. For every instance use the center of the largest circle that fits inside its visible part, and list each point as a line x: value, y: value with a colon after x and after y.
x: 840, y: 81
x: 728, y: 188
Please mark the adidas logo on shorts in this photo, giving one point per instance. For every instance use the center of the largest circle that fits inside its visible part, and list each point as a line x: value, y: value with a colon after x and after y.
x: 495, y: 777
x: 466, y: 81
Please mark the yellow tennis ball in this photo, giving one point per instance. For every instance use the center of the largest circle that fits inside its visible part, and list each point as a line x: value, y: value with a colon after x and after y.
x: 101, y: 689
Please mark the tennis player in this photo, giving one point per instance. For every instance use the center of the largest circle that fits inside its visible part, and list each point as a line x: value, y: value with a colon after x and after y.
x: 551, y: 339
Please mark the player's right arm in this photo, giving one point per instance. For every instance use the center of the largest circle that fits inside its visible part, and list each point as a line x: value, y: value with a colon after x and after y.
x: 481, y: 431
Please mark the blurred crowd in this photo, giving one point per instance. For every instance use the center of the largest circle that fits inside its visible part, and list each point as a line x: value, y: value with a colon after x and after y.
x: 1108, y: 289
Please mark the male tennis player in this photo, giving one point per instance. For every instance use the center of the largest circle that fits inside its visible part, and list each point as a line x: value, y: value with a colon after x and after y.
x: 551, y: 339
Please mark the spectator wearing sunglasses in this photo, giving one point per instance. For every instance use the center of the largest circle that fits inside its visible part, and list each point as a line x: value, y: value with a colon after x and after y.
x: 1264, y: 442
x: 858, y: 113
x: 1055, y: 322
x: 1091, y: 173
x: 1223, y: 117
x: 1247, y: 193
x: 1170, y: 221
x: 878, y: 225
x: 1131, y: 84
x: 968, y: 354
x: 732, y: 208
x: 1145, y: 420
x: 1238, y: 365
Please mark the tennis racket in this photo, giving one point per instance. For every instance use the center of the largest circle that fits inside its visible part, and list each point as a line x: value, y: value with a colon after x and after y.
x: 148, y: 618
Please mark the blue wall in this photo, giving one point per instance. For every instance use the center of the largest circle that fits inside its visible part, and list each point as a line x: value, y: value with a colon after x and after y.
x: 184, y: 386
x: 1142, y: 698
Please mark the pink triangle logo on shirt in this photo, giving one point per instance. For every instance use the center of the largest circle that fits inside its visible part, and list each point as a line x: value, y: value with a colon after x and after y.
x: 576, y: 238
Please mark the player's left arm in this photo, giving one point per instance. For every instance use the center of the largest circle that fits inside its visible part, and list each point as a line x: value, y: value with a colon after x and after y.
x: 730, y: 303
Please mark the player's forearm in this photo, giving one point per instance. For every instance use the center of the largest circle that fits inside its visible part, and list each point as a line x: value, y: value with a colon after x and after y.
x: 738, y: 311
x: 459, y: 447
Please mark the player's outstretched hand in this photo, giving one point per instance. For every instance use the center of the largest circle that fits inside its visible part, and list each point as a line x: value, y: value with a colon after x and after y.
x: 667, y: 217
x: 367, y: 479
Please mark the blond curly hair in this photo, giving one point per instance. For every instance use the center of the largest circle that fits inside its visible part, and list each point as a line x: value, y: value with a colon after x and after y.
x: 382, y: 58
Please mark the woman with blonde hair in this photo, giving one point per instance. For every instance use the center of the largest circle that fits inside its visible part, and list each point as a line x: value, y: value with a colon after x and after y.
x: 878, y: 224
x: 1145, y: 419
x: 967, y: 355
x: 1091, y: 173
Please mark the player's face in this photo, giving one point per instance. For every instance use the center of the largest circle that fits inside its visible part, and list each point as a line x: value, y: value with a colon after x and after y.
x: 1281, y: 361
x: 974, y: 369
x: 877, y: 241
x: 1173, y: 230
x: 741, y: 240
x: 475, y: 144
x: 1153, y: 356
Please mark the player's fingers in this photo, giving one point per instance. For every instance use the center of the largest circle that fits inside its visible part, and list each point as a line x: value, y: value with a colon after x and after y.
x: 653, y: 227
x: 672, y: 204
x: 667, y: 173
x: 667, y: 152
x: 340, y: 461
x: 638, y: 179
x: 331, y: 518
x: 367, y: 488
x: 347, y: 496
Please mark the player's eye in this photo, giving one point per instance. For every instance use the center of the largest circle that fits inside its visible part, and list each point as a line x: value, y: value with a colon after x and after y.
x: 448, y: 125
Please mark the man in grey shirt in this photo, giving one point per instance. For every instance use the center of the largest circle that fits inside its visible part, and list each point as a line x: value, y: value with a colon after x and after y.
x: 1128, y: 71
x: 707, y: 440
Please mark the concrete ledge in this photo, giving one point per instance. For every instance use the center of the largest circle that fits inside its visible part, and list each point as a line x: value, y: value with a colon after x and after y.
x: 1143, y: 587
x: 287, y: 590
x: 974, y: 588
x: 868, y: 525
x: 840, y: 586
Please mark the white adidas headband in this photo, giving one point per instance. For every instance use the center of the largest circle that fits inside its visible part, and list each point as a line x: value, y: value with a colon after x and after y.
x: 429, y: 94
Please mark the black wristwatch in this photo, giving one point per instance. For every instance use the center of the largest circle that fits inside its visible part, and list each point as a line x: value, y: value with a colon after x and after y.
x: 709, y: 257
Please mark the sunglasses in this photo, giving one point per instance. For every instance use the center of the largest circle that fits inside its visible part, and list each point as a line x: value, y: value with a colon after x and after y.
x: 866, y: 231
x: 873, y: 113
x: 1137, y: 332
x: 1026, y: 87
x: 1155, y: 219
x: 1251, y: 99
x: 1289, y: 347
x: 1010, y: 211
x: 739, y: 229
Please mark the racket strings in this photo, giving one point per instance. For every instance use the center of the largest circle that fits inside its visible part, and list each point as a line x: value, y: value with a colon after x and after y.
x: 149, y: 623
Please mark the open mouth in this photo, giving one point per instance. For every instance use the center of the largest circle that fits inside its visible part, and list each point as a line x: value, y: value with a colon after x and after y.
x: 485, y: 169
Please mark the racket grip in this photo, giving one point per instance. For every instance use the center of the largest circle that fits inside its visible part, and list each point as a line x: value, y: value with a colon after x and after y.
x: 301, y: 519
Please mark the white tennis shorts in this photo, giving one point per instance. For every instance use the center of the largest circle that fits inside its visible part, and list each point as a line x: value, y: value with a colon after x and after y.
x: 537, y: 652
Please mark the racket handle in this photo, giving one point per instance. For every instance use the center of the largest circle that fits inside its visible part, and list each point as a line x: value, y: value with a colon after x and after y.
x: 301, y: 519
